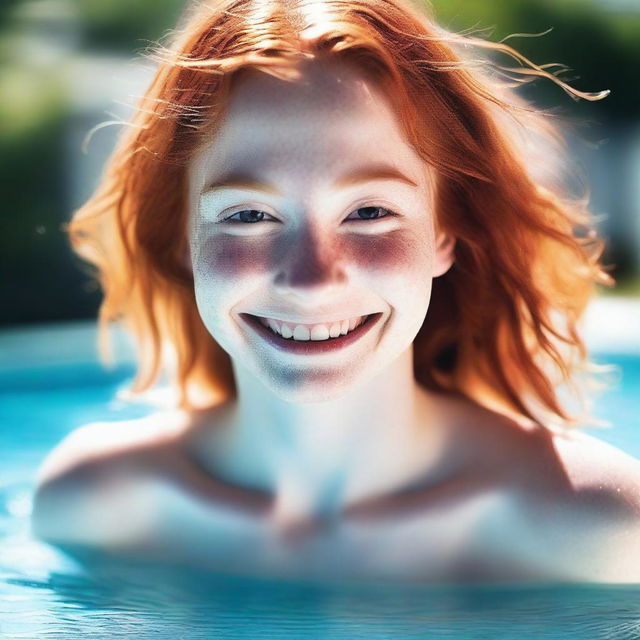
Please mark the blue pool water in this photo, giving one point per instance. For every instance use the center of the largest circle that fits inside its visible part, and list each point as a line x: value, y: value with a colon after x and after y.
x: 45, y: 594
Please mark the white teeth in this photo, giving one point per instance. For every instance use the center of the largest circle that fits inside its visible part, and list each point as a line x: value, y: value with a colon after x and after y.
x: 320, y: 332
x: 301, y: 333
x: 274, y: 325
x: 315, y: 332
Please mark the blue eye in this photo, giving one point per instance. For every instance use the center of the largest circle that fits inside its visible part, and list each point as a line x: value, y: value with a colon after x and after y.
x: 246, y: 215
x: 371, y: 213
x: 255, y: 215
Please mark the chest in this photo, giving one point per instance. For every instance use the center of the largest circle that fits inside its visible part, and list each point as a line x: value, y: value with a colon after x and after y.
x: 466, y: 536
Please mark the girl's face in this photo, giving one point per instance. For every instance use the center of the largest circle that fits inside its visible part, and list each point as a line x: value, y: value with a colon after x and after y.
x: 310, y: 208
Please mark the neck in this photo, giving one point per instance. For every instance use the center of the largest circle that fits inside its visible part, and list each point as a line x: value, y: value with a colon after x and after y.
x: 316, y: 457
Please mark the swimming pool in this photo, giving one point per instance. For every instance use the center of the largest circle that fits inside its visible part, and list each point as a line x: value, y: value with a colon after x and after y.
x: 51, y: 383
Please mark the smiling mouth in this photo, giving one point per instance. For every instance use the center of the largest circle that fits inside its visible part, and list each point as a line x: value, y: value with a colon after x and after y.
x: 301, y: 341
x: 315, y: 332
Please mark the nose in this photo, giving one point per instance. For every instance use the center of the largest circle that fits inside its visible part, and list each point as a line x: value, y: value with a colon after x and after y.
x: 311, y: 266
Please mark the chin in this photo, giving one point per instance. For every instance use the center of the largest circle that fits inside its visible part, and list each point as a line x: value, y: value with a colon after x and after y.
x: 304, y: 387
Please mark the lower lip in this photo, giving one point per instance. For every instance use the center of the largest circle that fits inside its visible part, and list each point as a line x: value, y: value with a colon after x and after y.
x: 310, y: 347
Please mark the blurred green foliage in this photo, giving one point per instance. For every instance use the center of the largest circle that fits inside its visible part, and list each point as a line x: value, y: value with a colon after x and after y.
x: 41, y: 278
x: 125, y: 25
x: 601, y: 47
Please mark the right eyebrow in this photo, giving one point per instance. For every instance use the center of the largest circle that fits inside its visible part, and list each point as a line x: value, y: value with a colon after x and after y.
x: 370, y: 173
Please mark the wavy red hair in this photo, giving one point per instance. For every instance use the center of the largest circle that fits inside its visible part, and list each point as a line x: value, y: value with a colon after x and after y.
x: 502, y: 327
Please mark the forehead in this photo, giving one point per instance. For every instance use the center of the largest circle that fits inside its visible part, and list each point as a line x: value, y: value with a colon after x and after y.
x: 330, y: 119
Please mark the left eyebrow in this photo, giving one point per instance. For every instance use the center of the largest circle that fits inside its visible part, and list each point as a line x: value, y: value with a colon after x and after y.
x: 371, y: 173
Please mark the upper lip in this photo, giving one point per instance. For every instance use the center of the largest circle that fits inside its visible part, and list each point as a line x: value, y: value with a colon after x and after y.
x: 342, y: 318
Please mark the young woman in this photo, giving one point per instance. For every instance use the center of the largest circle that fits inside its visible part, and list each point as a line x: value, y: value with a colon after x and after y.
x: 343, y: 239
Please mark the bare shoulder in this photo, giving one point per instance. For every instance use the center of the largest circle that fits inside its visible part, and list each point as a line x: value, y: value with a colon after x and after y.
x: 91, y: 486
x: 585, y: 524
x: 564, y: 506
x: 98, y: 442
x: 580, y: 477
x: 560, y: 469
x: 599, y: 472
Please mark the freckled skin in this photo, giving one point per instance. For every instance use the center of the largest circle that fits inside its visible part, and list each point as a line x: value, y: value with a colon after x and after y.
x: 318, y: 431
x: 386, y: 478
x: 308, y: 256
x: 241, y: 257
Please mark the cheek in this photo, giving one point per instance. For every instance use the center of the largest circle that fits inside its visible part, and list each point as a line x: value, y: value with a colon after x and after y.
x: 399, y: 265
x: 233, y: 257
x: 396, y: 252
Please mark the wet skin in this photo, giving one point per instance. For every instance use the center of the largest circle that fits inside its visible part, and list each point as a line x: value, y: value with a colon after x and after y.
x: 334, y: 464
x: 528, y: 507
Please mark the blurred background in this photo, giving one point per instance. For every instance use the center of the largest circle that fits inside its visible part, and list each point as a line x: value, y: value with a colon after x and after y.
x: 66, y: 66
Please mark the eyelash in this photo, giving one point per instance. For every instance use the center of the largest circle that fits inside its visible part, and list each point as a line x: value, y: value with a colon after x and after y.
x: 390, y: 214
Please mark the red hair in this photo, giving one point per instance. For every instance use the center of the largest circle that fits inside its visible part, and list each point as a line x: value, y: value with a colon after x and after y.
x: 502, y: 322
